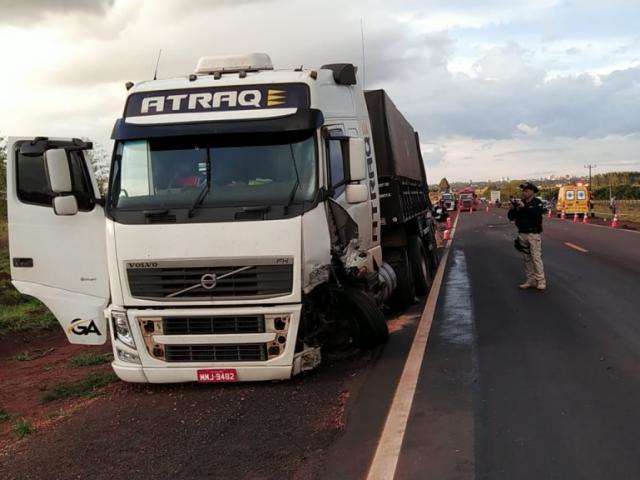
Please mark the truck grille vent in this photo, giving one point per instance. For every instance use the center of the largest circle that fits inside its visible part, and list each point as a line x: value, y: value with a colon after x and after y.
x: 242, y: 352
x: 259, y: 281
x: 212, y: 325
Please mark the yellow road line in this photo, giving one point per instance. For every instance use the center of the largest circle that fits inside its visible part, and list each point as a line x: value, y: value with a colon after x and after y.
x: 576, y: 247
x: 385, y: 460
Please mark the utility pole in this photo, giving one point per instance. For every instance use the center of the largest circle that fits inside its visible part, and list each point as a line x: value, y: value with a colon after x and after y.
x: 589, y: 166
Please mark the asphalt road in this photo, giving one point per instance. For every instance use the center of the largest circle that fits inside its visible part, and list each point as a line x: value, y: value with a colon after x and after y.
x: 514, y: 385
x: 528, y: 384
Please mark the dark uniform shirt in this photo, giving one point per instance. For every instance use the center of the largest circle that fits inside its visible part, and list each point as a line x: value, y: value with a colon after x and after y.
x: 528, y: 218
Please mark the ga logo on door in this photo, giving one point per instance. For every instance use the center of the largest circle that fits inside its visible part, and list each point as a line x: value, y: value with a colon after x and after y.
x: 83, y: 327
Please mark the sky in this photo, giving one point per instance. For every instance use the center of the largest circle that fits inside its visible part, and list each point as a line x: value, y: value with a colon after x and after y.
x: 496, y: 89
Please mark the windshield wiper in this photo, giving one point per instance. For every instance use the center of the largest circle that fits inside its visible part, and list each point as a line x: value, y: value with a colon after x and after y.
x: 202, y: 194
x: 294, y: 190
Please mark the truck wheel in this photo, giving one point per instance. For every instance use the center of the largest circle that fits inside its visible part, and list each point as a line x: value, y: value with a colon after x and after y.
x: 405, y: 293
x: 419, y: 265
x: 432, y: 255
x: 367, y: 325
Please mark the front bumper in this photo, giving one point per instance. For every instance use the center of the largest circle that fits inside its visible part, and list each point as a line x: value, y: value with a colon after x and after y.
x: 155, y: 370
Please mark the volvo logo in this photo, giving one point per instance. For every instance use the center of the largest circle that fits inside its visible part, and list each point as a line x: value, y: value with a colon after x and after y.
x: 208, y: 281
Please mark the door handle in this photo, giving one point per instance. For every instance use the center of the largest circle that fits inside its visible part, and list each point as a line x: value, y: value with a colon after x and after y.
x: 22, y: 262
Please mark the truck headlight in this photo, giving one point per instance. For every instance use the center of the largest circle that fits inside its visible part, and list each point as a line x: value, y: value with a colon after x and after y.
x: 121, y: 328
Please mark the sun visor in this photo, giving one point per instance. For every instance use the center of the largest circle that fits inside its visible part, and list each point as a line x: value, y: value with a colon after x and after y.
x: 301, y: 119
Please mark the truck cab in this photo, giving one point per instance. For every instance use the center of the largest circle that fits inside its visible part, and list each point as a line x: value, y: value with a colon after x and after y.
x: 239, y: 197
x: 449, y: 201
x: 467, y: 200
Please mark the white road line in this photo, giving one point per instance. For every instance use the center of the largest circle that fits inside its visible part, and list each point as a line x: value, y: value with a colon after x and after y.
x: 385, y: 460
x: 576, y: 247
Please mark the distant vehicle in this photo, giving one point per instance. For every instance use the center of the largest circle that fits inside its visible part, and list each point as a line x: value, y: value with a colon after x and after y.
x: 450, y: 201
x: 573, y: 199
x: 467, y: 200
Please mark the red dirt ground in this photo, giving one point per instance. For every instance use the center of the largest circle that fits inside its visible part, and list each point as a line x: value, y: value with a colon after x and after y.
x: 24, y: 382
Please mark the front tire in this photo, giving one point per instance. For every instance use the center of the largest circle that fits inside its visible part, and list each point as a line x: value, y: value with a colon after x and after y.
x: 356, y: 310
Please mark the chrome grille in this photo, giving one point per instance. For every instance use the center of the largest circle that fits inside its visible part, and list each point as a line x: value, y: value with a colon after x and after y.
x: 258, y: 281
x: 242, y: 352
x: 212, y: 325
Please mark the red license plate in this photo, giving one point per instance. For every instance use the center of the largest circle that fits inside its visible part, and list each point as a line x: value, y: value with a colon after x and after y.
x: 213, y: 375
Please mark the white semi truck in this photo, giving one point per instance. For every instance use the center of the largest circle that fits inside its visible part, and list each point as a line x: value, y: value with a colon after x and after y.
x: 253, y: 217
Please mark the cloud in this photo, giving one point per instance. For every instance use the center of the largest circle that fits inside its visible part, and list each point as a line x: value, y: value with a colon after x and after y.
x: 24, y: 12
x: 532, y: 157
x: 433, y: 154
x: 467, y: 75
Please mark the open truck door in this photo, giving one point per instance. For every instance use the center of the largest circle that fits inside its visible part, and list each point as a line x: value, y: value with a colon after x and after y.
x: 57, y: 240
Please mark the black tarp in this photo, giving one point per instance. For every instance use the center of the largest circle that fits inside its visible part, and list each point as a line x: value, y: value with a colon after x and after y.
x: 394, y: 140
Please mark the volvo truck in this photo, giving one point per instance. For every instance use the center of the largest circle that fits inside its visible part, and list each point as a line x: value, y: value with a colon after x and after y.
x: 253, y: 218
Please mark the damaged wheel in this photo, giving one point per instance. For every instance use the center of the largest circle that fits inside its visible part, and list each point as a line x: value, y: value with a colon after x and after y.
x: 358, y: 317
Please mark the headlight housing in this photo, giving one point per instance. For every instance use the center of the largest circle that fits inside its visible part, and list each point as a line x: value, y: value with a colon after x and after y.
x: 121, y: 329
x: 128, y: 356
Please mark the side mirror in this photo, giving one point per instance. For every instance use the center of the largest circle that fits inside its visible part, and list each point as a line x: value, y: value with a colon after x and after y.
x: 356, y: 193
x: 65, y: 205
x: 58, y: 170
x: 357, y: 162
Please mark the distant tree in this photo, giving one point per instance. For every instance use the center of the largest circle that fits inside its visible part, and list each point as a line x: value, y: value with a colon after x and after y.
x: 444, y: 186
x: 487, y: 191
x: 99, y: 160
x: 511, y: 189
x: 621, y: 192
x: 549, y: 193
x: 615, y: 178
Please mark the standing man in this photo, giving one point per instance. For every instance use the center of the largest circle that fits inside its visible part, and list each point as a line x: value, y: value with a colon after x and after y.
x: 527, y: 213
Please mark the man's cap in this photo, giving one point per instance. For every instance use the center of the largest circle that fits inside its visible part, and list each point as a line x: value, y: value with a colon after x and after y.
x: 530, y: 186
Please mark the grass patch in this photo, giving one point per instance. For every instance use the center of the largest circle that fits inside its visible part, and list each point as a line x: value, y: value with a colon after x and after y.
x: 87, y: 387
x: 4, y: 415
x: 30, y: 315
x: 23, y: 427
x: 18, y: 313
x: 33, y: 355
x: 90, y: 359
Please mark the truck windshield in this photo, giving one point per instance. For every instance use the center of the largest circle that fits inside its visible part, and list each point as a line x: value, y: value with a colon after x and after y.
x: 244, y: 170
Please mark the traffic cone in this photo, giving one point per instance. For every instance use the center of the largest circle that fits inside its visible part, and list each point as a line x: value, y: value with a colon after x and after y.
x: 575, y: 218
x: 614, y: 222
x: 449, y: 223
x: 549, y: 214
x: 447, y: 234
x: 487, y: 208
x: 585, y: 219
x: 563, y: 216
